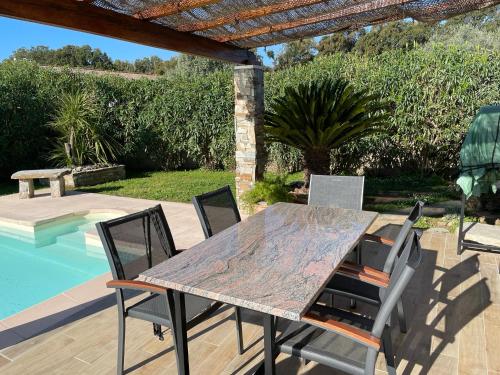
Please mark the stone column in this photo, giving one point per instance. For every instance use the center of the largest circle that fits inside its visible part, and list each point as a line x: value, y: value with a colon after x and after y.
x: 26, y: 189
x: 249, y: 123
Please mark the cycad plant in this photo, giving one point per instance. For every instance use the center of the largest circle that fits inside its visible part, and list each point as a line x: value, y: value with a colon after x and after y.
x: 321, y: 116
x: 82, y: 138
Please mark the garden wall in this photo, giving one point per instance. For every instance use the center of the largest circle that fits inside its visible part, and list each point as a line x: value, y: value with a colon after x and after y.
x: 186, y: 121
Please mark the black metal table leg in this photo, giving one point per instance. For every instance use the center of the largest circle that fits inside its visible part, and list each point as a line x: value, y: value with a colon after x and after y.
x: 181, y: 334
x: 269, y: 344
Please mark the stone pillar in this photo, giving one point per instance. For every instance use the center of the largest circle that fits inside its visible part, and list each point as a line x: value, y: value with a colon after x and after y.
x: 57, y: 187
x: 249, y: 123
x: 26, y: 189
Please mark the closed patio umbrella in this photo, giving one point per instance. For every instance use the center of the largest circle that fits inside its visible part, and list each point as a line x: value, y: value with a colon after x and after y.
x: 479, y: 165
x: 480, y: 153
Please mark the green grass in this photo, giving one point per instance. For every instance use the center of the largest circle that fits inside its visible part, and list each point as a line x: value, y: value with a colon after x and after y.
x: 175, y: 186
x: 181, y: 186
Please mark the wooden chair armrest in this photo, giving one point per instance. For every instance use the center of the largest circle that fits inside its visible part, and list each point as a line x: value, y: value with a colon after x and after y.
x: 364, y: 269
x: 344, y: 329
x: 136, y: 285
x: 378, y: 239
x: 382, y: 282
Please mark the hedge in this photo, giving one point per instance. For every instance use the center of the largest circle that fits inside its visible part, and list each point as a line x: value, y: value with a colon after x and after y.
x: 186, y: 121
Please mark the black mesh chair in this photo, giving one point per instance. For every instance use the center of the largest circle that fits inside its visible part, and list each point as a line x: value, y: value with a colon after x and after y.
x: 133, y: 244
x: 347, y: 341
x: 217, y: 210
x: 348, y: 280
x: 336, y: 191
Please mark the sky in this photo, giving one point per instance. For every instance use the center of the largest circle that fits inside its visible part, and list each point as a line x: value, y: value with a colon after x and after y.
x: 16, y: 34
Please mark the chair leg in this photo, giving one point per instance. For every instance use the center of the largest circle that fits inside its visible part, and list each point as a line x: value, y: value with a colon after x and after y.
x: 330, y: 301
x: 121, y: 344
x: 358, y: 254
x: 239, y: 329
x: 388, y: 352
x: 401, y: 316
x: 157, y: 331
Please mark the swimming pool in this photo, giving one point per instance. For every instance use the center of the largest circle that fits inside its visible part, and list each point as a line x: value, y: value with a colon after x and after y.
x: 38, y: 264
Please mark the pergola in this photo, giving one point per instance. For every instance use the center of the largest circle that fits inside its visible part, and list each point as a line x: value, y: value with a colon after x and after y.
x: 227, y: 30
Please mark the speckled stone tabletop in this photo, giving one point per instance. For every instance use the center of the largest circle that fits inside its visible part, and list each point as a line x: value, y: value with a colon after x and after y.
x: 276, y: 261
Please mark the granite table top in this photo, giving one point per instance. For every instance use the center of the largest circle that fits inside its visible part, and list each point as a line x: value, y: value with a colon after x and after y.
x: 276, y: 261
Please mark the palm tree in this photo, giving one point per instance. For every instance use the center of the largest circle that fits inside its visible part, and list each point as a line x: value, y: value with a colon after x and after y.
x: 321, y: 116
x: 82, y: 139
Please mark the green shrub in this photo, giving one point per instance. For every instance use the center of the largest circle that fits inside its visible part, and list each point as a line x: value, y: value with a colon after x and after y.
x: 81, y: 138
x: 272, y: 189
x: 186, y: 121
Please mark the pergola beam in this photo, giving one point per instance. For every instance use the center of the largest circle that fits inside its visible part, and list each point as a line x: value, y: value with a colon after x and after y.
x: 344, y: 12
x: 248, y: 14
x: 171, y: 7
x: 78, y: 15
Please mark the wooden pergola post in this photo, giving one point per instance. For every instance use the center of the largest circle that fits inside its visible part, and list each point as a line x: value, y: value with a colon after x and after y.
x: 249, y: 124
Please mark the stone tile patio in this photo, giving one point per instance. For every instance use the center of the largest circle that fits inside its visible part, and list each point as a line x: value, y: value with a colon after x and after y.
x: 453, y: 304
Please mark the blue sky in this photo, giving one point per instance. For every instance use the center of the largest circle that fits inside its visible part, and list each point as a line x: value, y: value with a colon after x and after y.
x: 28, y: 34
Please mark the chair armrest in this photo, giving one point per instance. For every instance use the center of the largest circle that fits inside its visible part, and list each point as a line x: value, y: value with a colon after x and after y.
x: 363, y: 269
x: 329, y: 324
x: 378, y: 239
x: 382, y: 282
x: 136, y: 285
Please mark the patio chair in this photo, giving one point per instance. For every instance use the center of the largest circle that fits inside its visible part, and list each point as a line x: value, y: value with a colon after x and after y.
x: 336, y: 191
x: 133, y: 244
x: 217, y: 210
x: 348, y: 280
x: 344, y: 340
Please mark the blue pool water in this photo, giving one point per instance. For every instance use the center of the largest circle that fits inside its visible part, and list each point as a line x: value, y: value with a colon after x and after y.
x: 40, y: 265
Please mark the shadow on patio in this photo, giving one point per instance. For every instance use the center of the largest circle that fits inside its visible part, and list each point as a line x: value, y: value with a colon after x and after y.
x: 453, y: 306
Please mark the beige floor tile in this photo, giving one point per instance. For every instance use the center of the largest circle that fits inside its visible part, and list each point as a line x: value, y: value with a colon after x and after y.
x: 452, y: 303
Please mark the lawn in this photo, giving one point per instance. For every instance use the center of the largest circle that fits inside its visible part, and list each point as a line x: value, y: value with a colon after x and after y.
x: 181, y: 186
x: 175, y: 186
x: 388, y: 194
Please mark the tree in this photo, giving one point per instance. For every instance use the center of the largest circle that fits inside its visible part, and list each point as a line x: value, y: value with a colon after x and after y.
x: 73, y: 56
x: 296, y: 52
x: 337, y: 42
x: 81, y: 138
x: 393, y: 35
x: 321, y: 116
x: 487, y: 19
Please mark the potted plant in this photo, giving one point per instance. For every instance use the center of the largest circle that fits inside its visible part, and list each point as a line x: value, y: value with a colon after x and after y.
x: 83, y: 143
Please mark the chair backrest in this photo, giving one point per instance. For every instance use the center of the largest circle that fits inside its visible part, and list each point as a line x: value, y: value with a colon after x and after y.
x: 136, y: 242
x: 404, y: 269
x: 217, y: 210
x: 336, y: 191
x: 413, y: 217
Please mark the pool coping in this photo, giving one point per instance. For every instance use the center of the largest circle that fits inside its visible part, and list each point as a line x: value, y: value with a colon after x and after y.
x: 31, y: 226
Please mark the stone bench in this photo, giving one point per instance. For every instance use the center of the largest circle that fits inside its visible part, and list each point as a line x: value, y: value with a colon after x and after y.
x: 55, y: 176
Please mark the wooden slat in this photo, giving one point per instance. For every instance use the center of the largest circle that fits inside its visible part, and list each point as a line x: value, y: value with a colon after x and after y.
x: 136, y: 285
x: 382, y: 282
x: 172, y: 7
x: 344, y: 12
x: 83, y: 17
x: 364, y: 269
x: 379, y: 239
x: 348, y: 330
x: 248, y: 14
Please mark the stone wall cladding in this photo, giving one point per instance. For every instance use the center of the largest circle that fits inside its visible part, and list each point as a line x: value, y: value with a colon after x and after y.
x: 95, y: 177
x: 249, y: 126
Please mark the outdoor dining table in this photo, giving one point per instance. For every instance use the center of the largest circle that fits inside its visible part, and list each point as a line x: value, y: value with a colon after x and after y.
x: 276, y: 262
